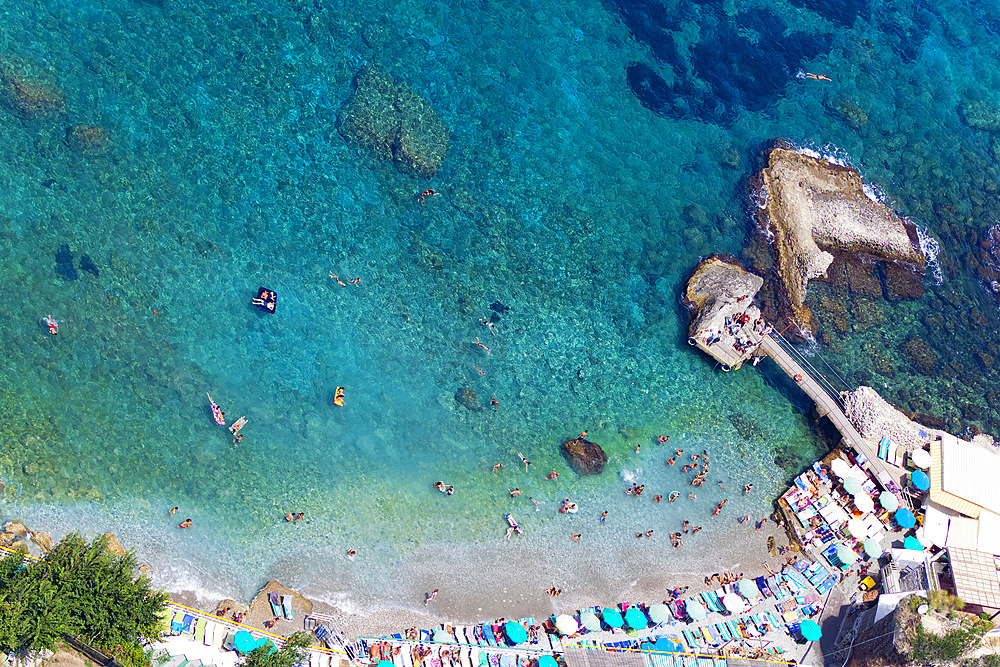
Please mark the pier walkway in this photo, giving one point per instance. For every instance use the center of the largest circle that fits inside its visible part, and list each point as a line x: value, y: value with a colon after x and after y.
x: 828, y: 404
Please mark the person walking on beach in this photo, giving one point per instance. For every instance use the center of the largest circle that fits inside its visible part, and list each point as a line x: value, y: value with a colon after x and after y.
x: 430, y: 598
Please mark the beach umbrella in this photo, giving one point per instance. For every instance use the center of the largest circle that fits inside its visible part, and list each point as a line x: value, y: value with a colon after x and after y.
x: 385, y: 663
x: 912, y: 543
x: 905, y: 518
x: 921, y: 458
x: 888, y: 500
x: 515, y: 632
x: 864, y: 502
x: 243, y: 641
x: 566, y: 624
x: 840, y: 467
x: 635, y: 618
x: 547, y: 661
x: 920, y: 480
x: 852, y: 485
x: 612, y: 617
x: 856, y: 527
x: 846, y: 555
x: 264, y: 641
x: 748, y: 589
x: 676, y: 646
x: 873, y: 548
x: 590, y: 622
x: 733, y: 602
x: 658, y: 613
x: 695, y: 610
x: 441, y: 636
x: 810, y: 630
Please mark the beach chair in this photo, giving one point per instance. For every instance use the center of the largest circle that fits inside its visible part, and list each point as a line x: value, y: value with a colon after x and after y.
x: 397, y: 659
x: 199, y: 630
x: 275, y: 601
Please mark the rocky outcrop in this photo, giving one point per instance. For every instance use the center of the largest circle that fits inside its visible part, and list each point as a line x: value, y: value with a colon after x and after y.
x: 261, y: 607
x: 15, y: 527
x: 811, y: 207
x: 719, y: 288
x: 920, y: 355
x: 586, y: 457
x: 113, y: 545
x: 29, y: 90
x: 468, y: 399
x: 88, y: 140
x: 387, y: 116
x: 44, y: 541
x: 888, y: 642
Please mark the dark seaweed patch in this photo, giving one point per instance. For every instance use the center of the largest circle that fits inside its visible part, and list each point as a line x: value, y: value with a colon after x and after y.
x: 64, y: 263
x: 87, y: 264
x: 841, y: 12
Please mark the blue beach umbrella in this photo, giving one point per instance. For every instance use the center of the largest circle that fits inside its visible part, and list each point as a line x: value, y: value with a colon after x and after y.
x: 912, y: 543
x: 810, y: 630
x: 515, y: 632
x: 243, y: 641
x: 547, y: 661
x: 612, y: 617
x: 385, y: 663
x: 920, y: 480
x: 635, y: 618
x: 905, y: 518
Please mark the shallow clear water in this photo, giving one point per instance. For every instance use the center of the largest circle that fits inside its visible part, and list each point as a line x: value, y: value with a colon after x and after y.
x: 578, y: 192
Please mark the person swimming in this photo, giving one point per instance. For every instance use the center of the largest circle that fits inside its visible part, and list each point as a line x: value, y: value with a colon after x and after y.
x: 338, y: 397
x: 50, y: 323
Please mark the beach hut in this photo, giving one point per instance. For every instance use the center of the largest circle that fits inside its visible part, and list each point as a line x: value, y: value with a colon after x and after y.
x: 864, y: 502
x: 590, y: 622
x: 733, y: 602
x: 852, y: 485
x: 905, y: 518
x: 566, y: 624
x: 658, y: 613
x: 635, y: 618
x: 516, y: 634
x: 920, y: 480
x: 695, y: 609
x: 873, y: 548
x: 888, y: 500
x: 846, y: 555
x: 612, y: 617
x: 810, y: 630
x: 921, y: 458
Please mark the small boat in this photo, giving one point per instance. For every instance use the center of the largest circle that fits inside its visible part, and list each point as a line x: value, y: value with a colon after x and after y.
x: 513, y: 523
x: 216, y: 411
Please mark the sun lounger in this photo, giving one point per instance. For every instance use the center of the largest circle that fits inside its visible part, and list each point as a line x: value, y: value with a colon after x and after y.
x: 209, y: 635
x: 397, y: 659
x: 286, y: 606
x: 275, y: 605
x: 199, y: 630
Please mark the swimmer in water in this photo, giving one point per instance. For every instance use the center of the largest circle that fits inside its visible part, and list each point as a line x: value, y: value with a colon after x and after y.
x: 537, y: 503
x: 692, y: 496
x: 670, y: 461
x: 657, y: 498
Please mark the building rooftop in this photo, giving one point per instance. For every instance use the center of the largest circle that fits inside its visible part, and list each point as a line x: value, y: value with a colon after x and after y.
x: 977, y: 580
x: 970, y: 472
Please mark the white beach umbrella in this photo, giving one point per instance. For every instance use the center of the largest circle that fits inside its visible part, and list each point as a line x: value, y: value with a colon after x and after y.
x: 856, y: 527
x: 840, y: 467
x: 864, y: 502
x: 888, y: 500
x: 566, y: 624
x: 695, y: 609
x: 733, y: 602
x: 921, y: 458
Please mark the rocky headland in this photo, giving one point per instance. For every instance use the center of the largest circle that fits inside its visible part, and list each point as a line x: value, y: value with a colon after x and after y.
x: 816, y: 212
x: 387, y: 116
x: 585, y: 457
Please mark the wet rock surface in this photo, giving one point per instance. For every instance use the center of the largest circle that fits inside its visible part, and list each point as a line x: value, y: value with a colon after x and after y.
x: 585, y: 457
x: 89, y: 140
x: 387, y: 116
x: 468, y: 399
x: 30, y: 90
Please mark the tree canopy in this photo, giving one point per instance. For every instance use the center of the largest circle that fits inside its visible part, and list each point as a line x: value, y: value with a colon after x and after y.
x: 289, y: 655
x: 79, y: 589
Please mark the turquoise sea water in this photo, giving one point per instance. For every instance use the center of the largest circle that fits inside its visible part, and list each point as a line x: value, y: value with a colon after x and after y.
x: 597, y: 151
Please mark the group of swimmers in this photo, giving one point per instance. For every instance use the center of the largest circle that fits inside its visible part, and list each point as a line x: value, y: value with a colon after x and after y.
x: 446, y: 489
x: 294, y: 517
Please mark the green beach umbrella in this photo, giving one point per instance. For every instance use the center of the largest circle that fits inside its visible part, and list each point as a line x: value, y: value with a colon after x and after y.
x: 658, y: 613
x: 852, y: 485
x: 243, y: 641
x: 635, y: 618
x: 810, y: 630
x: 590, y: 622
x: 695, y: 610
x: 612, y: 617
x: 912, y: 543
x: 547, y: 661
x: 515, y: 632
x: 846, y: 555
x: 873, y: 548
x: 747, y: 589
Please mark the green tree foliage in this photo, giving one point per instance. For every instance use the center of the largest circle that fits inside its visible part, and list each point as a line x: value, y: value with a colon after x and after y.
x: 930, y: 649
x: 79, y: 589
x: 289, y: 655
